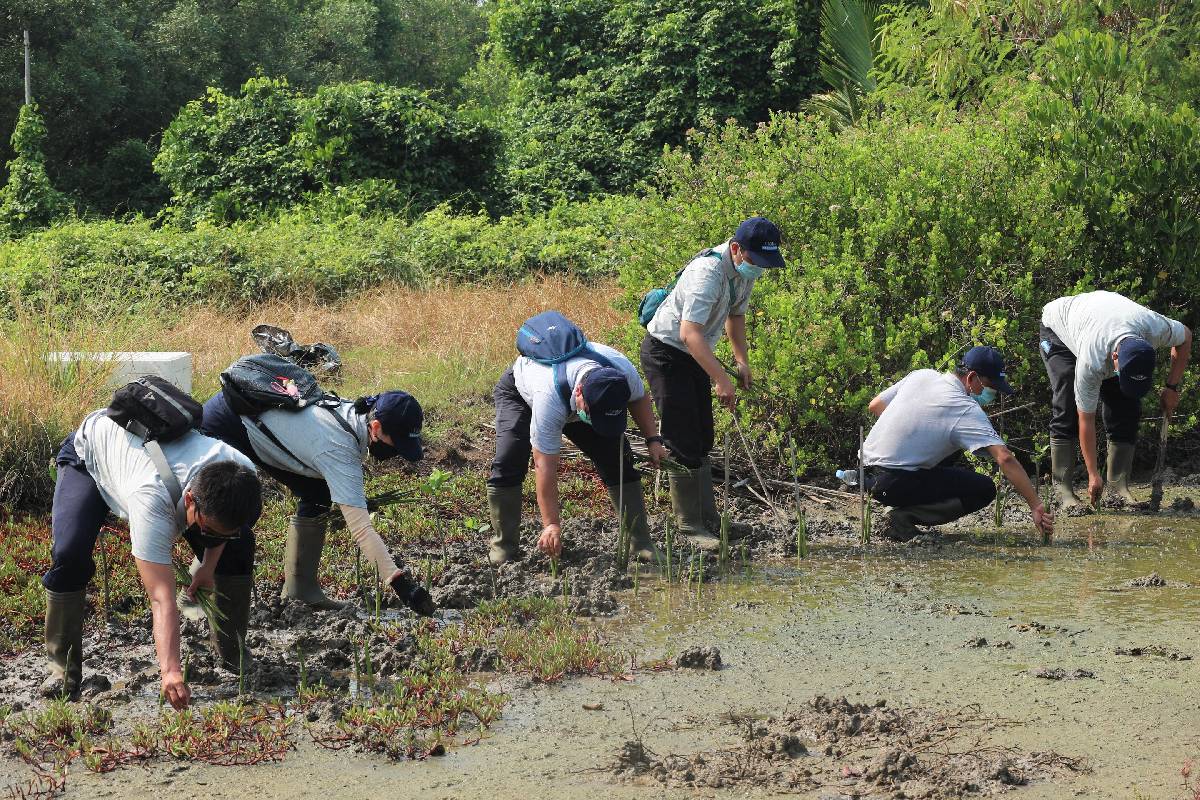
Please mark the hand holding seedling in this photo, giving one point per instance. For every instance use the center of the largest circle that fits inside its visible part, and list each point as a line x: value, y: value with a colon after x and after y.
x: 175, y: 690
x: 1095, y: 487
x: 203, y: 580
x: 550, y: 542
x: 657, y: 453
x: 725, y: 391
x: 745, y: 378
x: 1043, y: 520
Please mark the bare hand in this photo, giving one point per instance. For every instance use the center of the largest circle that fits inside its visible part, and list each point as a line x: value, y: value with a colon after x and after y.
x: 201, y: 580
x: 550, y: 542
x: 745, y: 379
x: 1095, y: 488
x: 1168, y: 400
x: 725, y: 392
x: 175, y: 690
x: 657, y: 453
x: 1043, y: 520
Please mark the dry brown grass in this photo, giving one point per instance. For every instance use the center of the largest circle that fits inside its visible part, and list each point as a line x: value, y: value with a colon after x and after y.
x: 446, y: 345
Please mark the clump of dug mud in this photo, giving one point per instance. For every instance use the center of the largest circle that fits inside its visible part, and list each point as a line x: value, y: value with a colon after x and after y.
x: 857, y: 749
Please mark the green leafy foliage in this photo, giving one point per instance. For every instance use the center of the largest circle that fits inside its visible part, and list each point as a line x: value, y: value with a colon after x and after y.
x: 28, y: 201
x: 848, y: 53
x: 228, y: 158
x: 606, y: 85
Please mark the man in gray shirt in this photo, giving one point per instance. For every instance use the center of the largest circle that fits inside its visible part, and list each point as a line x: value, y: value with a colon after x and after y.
x: 1098, y: 348
x: 710, y: 298
x: 926, y: 419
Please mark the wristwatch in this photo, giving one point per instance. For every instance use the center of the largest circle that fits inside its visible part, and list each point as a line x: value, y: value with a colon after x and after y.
x: 652, y: 439
x: 1174, y: 387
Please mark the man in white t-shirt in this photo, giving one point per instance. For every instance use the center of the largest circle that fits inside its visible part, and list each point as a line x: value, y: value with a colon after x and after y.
x: 532, y: 416
x: 926, y: 419
x: 1099, y: 351
x: 104, y: 468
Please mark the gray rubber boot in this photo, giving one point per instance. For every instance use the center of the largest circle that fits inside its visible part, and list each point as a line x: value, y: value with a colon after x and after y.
x: 902, y: 522
x: 301, y: 559
x: 64, y: 643
x: 504, y: 503
x: 1062, y: 469
x: 228, y: 633
x: 685, y: 499
x: 712, y: 516
x: 641, y: 546
x: 1120, y: 466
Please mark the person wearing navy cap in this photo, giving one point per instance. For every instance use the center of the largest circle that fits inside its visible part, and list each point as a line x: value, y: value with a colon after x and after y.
x: 532, y: 417
x: 709, y: 298
x: 317, y: 452
x: 1099, y: 352
x: 925, y: 421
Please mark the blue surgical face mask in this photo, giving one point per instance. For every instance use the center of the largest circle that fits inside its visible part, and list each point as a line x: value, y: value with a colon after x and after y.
x: 749, y: 271
x: 987, y: 396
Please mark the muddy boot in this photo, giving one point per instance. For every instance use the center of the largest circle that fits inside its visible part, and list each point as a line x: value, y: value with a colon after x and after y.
x: 301, y: 558
x: 1062, y: 468
x: 227, y: 634
x: 1120, y: 466
x: 902, y: 522
x: 64, y: 643
x: 685, y: 499
x: 504, y: 503
x: 708, y: 503
x: 641, y: 546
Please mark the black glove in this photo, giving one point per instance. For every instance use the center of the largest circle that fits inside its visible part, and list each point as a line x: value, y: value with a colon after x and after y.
x: 413, y: 595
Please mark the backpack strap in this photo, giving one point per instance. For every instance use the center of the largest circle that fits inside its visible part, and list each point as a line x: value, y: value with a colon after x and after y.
x: 262, y: 426
x: 560, y: 373
x: 154, y: 450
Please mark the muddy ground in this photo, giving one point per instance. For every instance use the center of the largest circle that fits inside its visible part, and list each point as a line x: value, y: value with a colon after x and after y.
x: 972, y: 662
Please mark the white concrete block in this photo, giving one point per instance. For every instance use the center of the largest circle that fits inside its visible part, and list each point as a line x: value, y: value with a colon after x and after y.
x: 175, y: 367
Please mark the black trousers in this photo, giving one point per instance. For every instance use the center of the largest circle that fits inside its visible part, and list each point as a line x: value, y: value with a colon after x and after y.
x: 79, y: 513
x: 312, y: 494
x: 1121, y: 414
x: 900, y: 488
x: 682, y: 394
x: 514, y: 448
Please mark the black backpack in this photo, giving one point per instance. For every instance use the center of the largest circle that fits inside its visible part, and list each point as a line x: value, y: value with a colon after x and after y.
x: 264, y: 381
x: 158, y: 411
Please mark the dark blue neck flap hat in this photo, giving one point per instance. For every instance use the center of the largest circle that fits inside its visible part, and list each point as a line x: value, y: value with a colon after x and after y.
x: 760, y: 237
x: 988, y: 362
x: 1135, y: 366
x: 401, y: 417
x: 606, y: 393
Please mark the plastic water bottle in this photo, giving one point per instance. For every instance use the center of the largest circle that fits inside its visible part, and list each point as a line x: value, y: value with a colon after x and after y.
x: 847, y: 476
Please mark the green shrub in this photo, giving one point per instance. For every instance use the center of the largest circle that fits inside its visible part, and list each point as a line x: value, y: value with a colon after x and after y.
x: 28, y: 201
x: 228, y: 158
x: 907, y: 243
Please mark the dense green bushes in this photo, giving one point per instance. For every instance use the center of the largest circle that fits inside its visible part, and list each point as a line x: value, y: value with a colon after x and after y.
x: 313, y: 251
x: 228, y: 158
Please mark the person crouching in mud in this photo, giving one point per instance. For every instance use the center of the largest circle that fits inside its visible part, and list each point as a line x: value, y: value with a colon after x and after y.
x: 319, y: 458
x: 927, y: 419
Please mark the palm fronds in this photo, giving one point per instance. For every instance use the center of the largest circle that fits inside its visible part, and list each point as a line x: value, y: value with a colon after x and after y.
x: 847, y: 50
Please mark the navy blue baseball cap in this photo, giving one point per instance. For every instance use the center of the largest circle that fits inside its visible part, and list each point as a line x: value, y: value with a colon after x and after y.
x: 1135, y: 366
x: 401, y: 417
x: 606, y: 392
x: 761, y: 237
x: 988, y: 362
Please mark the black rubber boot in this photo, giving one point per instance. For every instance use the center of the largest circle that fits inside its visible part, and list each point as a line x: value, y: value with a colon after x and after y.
x: 227, y: 633
x: 504, y: 504
x: 64, y: 643
x: 1120, y: 465
x: 641, y: 546
x: 1062, y: 470
x: 708, y: 505
x: 902, y: 522
x: 301, y: 561
x: 685, y: 499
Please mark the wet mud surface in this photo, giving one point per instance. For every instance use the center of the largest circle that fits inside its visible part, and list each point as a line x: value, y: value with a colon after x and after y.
x: 972, y: 662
